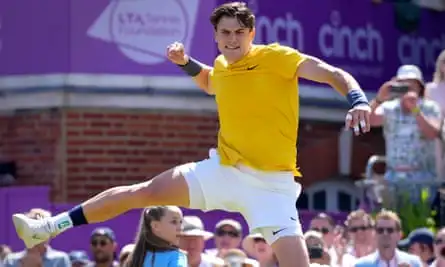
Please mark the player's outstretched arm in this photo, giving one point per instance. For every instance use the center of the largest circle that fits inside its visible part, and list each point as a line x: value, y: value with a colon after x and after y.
x: 199, y: 72
x: 317, y: 70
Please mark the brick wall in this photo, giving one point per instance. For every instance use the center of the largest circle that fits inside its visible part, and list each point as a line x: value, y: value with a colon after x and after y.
x: 79, y: 152
x: 107, y: 148
x: 33, y: 140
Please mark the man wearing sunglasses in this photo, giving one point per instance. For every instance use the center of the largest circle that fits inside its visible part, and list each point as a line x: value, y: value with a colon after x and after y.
x: 103, y: 247
x: 360, y: 228
x: 228, y: 234
x: 388, y: 234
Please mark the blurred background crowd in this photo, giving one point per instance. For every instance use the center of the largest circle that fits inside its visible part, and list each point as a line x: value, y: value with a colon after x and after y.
x: 85, y: 106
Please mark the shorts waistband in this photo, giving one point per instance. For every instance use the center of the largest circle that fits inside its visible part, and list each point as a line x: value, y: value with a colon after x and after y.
x: 250, y: 170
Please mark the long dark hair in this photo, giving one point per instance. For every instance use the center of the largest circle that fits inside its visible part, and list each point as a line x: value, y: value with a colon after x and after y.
x: 146, y: 240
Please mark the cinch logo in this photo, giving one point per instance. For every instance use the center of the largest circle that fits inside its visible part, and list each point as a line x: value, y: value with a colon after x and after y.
x: 419, y: 51
x: 341, y: 41
x: 142, y: 29
x: 287, y: 31
x: 63, y: 225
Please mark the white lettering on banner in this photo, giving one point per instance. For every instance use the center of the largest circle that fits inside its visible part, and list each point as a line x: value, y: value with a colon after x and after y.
x: 342, y: 41
x: 142, y: 29
x: 149, y: 24
x: 285, y: 30
x: 419, y: 51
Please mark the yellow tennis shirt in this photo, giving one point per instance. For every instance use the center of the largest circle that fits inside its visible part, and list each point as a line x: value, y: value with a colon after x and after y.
x: 258, y: 108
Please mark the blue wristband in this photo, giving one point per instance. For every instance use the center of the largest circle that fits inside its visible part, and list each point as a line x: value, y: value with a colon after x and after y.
x: 356, y: 97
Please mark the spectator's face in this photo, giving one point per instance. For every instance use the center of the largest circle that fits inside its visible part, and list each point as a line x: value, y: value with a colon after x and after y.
x: 263, y: 251
x: 313, y: 241
x: 227, y: 237
x: 169, y: 227
x: 415, y: 249
x: 103, y: 249
x: 388, y: 234
x: 324, y: 227
x: 194, y: 245
x: 360, y: 231
x: 439, y: 243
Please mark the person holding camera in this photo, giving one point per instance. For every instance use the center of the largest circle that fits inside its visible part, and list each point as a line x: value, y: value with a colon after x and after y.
x: 410, y: 125
x: 318, y: 254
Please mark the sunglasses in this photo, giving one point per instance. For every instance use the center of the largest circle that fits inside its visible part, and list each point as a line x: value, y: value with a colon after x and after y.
x: 389, y: 230
x: 322, y: 230
x: 439, y: 241
x: 355, y: 229
x: 228, y: 233
x: 101, y: 243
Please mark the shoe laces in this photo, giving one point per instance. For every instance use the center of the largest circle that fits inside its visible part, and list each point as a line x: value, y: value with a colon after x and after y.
x: 43, y: 223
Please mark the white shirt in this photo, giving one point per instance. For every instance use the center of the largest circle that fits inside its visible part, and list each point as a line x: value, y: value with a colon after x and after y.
x: 392, y: 263
x: 208, y: 260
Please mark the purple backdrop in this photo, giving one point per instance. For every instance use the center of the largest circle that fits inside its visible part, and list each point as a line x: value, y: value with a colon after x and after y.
x: 359, y: 36
x: 130, y: 36
x: 22, y: 199
x: 101, y: 36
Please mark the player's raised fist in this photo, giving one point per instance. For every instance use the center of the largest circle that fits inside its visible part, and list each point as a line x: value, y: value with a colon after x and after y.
x: 176, y: 53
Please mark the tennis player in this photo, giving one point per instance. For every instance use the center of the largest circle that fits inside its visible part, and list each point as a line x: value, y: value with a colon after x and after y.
x: 252, y: 170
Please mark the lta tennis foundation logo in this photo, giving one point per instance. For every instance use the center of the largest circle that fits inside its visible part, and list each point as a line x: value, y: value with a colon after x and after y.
x: 142, y: 29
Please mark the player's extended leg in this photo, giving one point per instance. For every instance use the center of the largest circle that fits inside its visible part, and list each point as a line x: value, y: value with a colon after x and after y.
x: 291, y: 251
x: 168, y: 188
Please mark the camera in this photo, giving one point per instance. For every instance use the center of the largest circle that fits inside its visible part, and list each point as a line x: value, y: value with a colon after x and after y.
x: 315, y: 252
x: 397, y: 90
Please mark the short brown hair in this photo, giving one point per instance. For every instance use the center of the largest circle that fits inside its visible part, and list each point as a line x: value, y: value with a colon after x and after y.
x: 359, y: 214
x: 238, y: 10
x: 389, y: 215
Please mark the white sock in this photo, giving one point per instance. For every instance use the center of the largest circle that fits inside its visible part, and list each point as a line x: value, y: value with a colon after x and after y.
x: 61, y: 222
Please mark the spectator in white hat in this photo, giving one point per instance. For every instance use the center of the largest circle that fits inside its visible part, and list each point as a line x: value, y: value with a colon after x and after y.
x: 193, y: 238
x: 410, y: 125
x: 228, y: 234
x: 256, y: 246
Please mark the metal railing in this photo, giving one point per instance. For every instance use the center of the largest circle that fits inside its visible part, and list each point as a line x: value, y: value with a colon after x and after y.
x: 377, y: 193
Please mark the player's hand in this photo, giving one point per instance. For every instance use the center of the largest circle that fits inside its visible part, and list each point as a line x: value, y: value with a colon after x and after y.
x: 358, y: 118
x: 176, y: 53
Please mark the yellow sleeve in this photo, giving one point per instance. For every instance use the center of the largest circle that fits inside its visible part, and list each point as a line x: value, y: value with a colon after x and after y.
x: 285, y: 60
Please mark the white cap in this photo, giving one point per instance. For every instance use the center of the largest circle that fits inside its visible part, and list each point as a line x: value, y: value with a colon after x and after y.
x: 410, y: 72
x: 193, y: 226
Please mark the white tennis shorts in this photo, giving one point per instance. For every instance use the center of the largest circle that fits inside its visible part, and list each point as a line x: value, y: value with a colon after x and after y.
x: 265, y: 199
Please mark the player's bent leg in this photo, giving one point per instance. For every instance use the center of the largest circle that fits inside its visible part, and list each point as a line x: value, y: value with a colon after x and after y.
x: 291, y: 251
x: 168, y: 188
